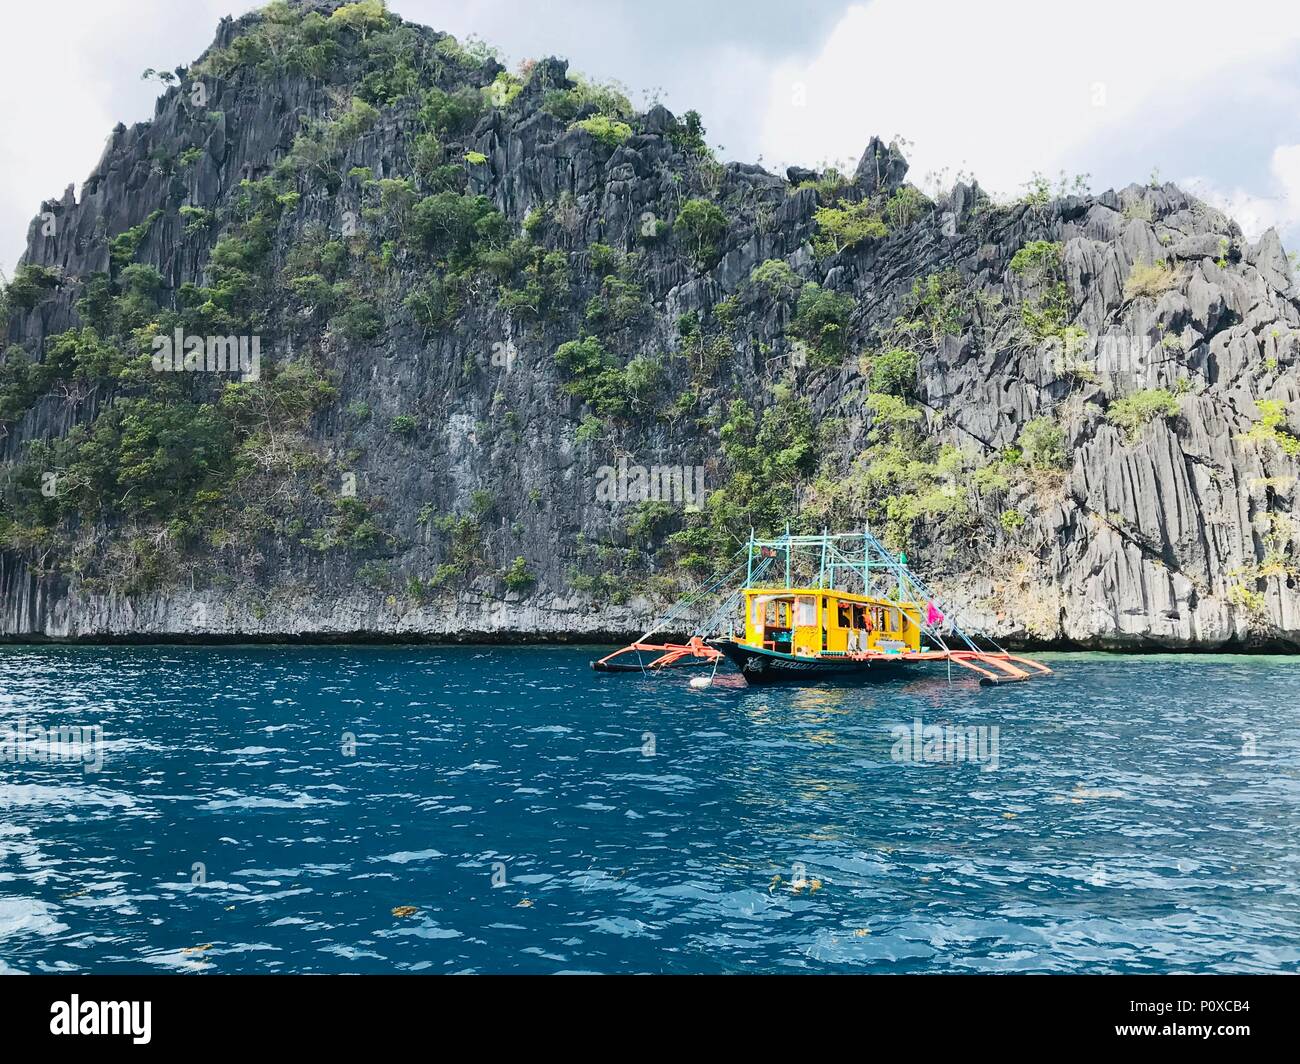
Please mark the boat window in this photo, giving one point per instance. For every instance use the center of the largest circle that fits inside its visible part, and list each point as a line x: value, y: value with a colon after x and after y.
x: 805, y: 610
x: 845, y: 615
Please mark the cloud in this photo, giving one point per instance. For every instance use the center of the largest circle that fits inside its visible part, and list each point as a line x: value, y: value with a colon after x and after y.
x: 1254, y: 212
x: 69, y: 72
x: 70, y: 69
x: 1005, y: 88
x: 1002, y: 88
x: 714, y: 58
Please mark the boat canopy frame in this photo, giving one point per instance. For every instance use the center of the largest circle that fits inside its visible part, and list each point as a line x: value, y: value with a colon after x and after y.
x: 846, y: 559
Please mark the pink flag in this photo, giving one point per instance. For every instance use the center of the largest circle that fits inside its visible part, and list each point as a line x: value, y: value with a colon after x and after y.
x: 933, y: 618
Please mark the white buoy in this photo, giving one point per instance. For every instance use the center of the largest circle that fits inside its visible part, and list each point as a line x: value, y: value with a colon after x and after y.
x: 701, y: 681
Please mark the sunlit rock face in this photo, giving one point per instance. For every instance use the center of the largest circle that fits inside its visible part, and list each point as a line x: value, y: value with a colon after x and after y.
x: 481, y: 295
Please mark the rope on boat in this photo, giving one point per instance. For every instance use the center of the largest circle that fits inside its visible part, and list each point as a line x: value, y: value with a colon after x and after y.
x: 688, y: 602
x: 905, y: 574
x: 729, y: 604
x: 682, y: 605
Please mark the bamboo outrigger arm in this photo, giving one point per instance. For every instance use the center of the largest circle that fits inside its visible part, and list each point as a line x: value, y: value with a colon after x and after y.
x: 670, y: 655
x: 1005, y: 672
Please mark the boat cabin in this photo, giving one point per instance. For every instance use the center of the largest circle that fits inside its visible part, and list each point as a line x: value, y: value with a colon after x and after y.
x: 808, y: 622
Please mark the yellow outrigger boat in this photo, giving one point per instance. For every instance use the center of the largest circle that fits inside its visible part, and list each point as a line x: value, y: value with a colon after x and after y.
x: 865, y: 613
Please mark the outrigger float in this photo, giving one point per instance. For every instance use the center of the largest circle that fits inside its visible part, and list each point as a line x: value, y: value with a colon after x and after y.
x: 819, y: 605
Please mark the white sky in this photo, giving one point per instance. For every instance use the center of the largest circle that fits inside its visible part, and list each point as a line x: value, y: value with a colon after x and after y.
x: 1207, y: 93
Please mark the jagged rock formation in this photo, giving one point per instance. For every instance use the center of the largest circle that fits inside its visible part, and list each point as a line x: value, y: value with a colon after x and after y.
x: 476, y: 294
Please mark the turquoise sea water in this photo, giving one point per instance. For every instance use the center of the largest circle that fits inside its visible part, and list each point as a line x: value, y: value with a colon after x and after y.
x: 1143, y: 816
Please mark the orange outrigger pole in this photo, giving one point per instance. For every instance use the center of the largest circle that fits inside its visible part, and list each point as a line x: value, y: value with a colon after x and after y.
x: 670, y: 655
x: 999, y: 663
x: 1002, y: 662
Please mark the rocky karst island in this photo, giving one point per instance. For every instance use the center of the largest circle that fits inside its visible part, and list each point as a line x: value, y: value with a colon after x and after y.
x: 474, y: 292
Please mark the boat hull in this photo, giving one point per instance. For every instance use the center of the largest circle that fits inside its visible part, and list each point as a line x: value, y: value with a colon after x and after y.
x: 770, y: 666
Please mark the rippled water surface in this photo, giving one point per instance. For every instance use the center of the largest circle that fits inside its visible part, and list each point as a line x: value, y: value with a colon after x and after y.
x: 1144, y: 815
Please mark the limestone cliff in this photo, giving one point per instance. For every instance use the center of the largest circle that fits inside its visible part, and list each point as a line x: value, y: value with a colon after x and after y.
x: 490, y: 306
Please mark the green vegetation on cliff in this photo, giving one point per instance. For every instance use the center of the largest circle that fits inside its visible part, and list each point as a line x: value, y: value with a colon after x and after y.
x: 475, y: 287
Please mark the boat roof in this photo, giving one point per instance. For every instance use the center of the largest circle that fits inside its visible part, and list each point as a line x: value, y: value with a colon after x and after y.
x: 828, y: 592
